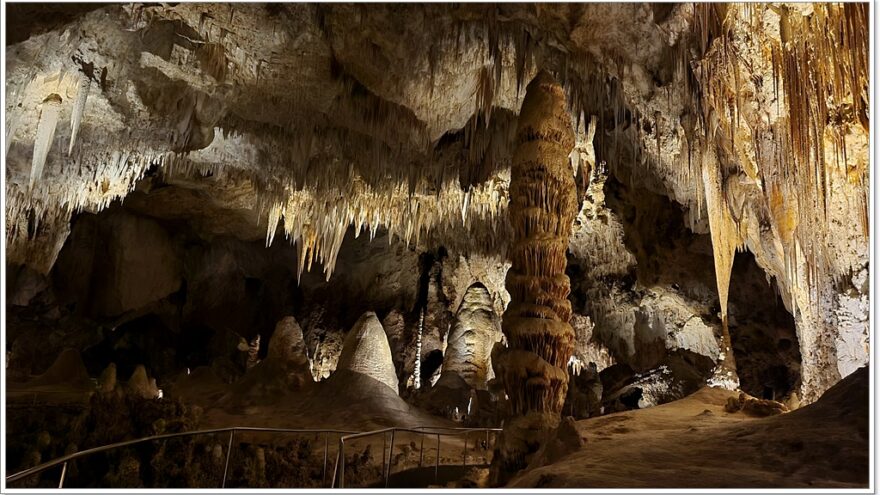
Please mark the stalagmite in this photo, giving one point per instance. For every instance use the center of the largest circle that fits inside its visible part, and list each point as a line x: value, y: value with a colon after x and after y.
x: 366, y: 351
x: 253, y: 350
x: 51, y: 107
x: 540, y: 339
x: 471, y: 338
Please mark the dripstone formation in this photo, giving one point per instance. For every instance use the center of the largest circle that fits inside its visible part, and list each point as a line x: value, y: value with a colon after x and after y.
x: 540, y: 339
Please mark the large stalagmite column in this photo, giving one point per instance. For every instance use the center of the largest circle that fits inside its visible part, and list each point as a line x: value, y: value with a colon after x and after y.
x: 540, y: 340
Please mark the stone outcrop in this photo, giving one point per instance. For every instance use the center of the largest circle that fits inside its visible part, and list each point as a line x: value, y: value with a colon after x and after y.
x: 141, y: 385
x: 287, y: 349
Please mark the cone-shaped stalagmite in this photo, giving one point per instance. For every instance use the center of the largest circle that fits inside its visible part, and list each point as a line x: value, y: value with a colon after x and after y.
x: 540, y: 339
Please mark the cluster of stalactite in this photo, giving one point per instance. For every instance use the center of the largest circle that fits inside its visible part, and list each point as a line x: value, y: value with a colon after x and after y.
x: 542, y: 207
x: 795, y: 155
x: 312, y: 172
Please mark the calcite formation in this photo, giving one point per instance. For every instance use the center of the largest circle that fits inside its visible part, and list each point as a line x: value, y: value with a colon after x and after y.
x: 308, y: 121
x: 539, y: 337
x: 366, y: 351
x: 470, y: 341
x: 287, y: 349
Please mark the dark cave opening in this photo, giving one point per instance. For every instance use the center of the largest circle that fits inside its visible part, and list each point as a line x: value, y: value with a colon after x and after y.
x: 763, y: 333
x: 430, y: 364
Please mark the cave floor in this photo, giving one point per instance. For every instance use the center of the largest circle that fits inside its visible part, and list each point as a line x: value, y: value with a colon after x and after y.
x: 689, y: 443
x: 694, y: 443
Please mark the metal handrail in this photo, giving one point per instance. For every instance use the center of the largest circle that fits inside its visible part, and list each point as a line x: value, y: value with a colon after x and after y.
x: 76, y: 455
x: 339, y: 468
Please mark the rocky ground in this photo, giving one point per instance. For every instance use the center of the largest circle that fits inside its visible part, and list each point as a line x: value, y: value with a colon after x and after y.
x: 694, y: 443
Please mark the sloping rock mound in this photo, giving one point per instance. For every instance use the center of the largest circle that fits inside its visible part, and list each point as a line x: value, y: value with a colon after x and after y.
x: 285, y: 368
x: 366, y: 351
x: 68, y: 370
x: 346, y: 400
x: 350, y: 398
x: 822, y: 445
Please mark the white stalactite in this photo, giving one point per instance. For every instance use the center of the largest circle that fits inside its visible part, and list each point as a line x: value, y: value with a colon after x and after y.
x: 417, y: 369
x: 50, y: 110
x: 79, y: 106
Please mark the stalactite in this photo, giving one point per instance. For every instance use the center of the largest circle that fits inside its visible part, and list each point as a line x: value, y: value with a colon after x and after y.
x: 725, y: 241
x: 14, y: 117
x: 49, y: 111
x: 542, y: 208
x: 79, y: 106
x: 816, y: 67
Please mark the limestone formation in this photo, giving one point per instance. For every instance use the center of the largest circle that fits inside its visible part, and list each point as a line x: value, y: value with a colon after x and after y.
x: 766, y: 150
x: 67, y: 370
x: 754, y: 407
x: 253, y: 349
x: 141, y: 385
x: 540, y: 338
x: 366, y: 351
x: 287, y: 349
x: 107, y: 380
x: 403, y: 344
x: 474, y: 333
x: 680, y: 197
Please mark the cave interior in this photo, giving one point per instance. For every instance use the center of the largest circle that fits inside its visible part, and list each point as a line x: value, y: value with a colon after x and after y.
x: 618, y: 245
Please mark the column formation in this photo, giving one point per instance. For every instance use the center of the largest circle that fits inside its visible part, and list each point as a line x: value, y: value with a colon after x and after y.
x: 543, y: 205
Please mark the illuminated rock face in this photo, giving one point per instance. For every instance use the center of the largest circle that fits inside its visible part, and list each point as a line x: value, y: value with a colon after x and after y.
x: 470, y: 342
x: 366, y: 351
x: 540, y: 339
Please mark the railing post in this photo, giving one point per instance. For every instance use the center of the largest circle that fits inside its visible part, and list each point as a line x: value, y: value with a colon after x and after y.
x: 63, y: 473
x: 341, y: 463
x: 384, y: 447
x: 464, y: 455
x: 422, y: 450
x: 228, y: 454
x: 437, y: 461
x: 390, y: 457
x: 326, y: 446
x: 335, y: 470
